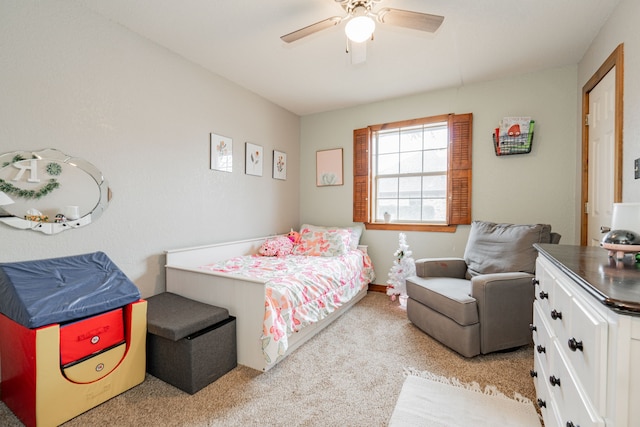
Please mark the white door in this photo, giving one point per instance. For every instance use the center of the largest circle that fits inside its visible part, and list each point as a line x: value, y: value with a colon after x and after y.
x: 602, y: 112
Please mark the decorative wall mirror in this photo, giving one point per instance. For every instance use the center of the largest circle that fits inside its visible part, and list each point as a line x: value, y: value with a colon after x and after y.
x: 49, y: 191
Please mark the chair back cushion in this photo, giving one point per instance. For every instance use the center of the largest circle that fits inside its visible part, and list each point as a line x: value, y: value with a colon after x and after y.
x: 502, y: 248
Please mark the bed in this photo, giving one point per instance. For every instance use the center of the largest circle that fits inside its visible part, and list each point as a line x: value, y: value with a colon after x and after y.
x: 279, y: 302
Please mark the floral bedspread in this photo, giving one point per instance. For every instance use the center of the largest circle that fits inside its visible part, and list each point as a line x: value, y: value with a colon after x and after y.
x: 300, y: 290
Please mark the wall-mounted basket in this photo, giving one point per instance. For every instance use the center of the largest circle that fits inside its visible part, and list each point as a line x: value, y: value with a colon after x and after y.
x: 509, y: 140
x: 507, y: 145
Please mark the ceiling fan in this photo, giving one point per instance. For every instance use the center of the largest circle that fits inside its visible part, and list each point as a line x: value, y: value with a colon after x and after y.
x: 361, y: 21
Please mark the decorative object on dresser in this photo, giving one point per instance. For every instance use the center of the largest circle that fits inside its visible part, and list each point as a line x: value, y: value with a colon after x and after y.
x: 624, y: 235
x: 586, y: 333
x: 483, y: 302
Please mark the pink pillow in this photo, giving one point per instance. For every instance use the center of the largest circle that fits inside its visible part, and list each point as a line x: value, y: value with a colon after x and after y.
x: 323, y: 243
x: 278, y: 246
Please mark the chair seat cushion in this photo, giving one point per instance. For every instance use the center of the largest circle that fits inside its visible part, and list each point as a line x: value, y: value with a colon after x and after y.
x: 445, y: 295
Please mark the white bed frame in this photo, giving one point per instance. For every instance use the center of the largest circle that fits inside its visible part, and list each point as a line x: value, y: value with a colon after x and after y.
x: 244, y: 297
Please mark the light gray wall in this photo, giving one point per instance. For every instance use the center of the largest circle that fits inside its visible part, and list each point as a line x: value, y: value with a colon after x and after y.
x: 74, y: 81
x: 539, y: 187
x: 621, y: 27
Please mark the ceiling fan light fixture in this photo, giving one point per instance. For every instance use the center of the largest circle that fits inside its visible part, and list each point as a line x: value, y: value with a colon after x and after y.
x: 360, y: 28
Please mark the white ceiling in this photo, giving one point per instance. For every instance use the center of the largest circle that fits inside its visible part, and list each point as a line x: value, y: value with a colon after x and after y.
x: 480, y: 40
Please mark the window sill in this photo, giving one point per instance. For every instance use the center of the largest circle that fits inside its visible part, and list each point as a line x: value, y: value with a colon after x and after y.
x: 410, y: 227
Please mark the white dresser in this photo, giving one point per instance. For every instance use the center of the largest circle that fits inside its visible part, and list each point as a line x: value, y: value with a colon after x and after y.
x: 586, y: 333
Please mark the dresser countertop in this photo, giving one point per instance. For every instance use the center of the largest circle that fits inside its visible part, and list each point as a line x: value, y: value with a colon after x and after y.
x: 614, y: 283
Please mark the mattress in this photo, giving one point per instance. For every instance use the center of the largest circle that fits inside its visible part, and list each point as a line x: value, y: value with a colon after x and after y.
x: 58, y: 290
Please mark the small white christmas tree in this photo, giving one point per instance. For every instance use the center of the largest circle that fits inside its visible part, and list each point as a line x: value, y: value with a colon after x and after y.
x: 403, y: 267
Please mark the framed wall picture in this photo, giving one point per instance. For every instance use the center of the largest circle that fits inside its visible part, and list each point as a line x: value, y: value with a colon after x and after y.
x: 253, y: 159
x: 329, y: 167
x: 279, y: 165
x: 221, y: 153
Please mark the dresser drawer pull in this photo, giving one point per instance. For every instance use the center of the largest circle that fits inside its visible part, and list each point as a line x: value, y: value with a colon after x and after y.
x: 571, y: 424
x: 535, y: 281
x: 542, y: 403
x: 575, y: 345
x: 541, y: 349
x: 544, y: 295
x: 533, y: 373
x: 532, y: 327
x: 555, y: 315
x: 554, y: 381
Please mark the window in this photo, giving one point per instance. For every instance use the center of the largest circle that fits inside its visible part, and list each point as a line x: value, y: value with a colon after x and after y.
x: 419, y: 171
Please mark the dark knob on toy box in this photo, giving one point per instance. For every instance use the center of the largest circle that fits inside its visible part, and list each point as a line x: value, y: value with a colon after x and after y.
x: 544, y: 295
x: 555, y: 315
x: 542, y: 403
x: 575, y: 345
x: 532, y: 327
x: 541, y: 349
x: 554, y: 381
x: 533, y: 373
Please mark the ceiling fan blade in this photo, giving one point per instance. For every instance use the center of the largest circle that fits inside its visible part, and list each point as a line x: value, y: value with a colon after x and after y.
x: 414, y: 20
x: 311, y: 29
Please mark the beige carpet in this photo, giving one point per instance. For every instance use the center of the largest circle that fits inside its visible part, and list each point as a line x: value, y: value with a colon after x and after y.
x: 351, y: 374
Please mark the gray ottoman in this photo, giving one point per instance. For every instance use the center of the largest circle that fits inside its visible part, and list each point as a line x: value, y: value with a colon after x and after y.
x: 189, y: 344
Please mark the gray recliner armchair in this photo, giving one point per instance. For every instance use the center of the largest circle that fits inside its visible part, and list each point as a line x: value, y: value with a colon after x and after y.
x: 483, y: 302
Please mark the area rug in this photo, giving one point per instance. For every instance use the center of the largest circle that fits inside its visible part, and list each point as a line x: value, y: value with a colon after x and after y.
x: 427, y: 399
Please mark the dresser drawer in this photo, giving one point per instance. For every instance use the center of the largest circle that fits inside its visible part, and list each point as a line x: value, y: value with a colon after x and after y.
x: 544, y: 401
x: 559, y: 314
x: 586, y: 351
x: 544, y: 285
x: 541, y: 335
x: 573, y: 406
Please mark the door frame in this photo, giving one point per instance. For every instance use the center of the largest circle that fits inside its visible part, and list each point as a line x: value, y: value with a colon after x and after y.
x: 616, y: 59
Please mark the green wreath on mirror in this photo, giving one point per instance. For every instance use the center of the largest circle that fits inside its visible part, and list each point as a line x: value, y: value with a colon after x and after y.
x: 9, y: 188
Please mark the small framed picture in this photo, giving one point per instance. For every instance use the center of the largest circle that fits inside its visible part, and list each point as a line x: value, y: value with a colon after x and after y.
x: 329, y: 167
x: 221, y: 153
x: 253, y: 159
x: 279, y: 165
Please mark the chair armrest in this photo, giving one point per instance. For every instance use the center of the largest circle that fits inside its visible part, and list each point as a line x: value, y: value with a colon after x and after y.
x: 441, y: 267
x: 505, y: 309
